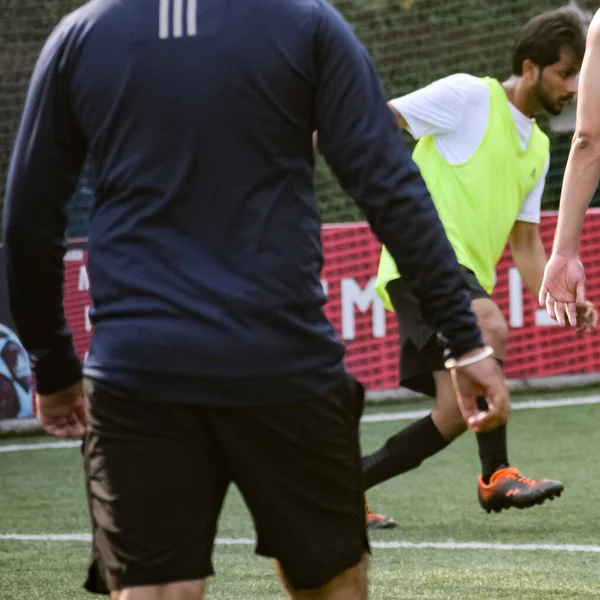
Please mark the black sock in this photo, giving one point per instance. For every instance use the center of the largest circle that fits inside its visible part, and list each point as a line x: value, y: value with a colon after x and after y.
x: 403, y: 452
x: 493, y: 450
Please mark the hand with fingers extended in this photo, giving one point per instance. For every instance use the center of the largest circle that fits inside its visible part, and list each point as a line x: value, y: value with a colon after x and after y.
x: 563, y: 289
x: 63, y: 414
x: 478, y: 374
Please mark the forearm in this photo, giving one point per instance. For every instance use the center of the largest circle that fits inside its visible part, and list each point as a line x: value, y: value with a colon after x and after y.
x: 583, y: 167
x: 531, y: 262
x: 35, y: 285
x: 581, y: 180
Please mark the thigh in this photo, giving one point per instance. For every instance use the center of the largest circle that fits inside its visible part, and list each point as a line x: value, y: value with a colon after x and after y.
x: 446, y: 400
x: 298, y: 467
x: 492, y: 324
x: 156, y: 484
x: 489, y: 316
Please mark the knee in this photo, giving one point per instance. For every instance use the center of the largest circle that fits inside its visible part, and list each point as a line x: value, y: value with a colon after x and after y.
x: 184, y: 590
x: 450, y: 423
x: 351, y: 584
x: 446, y: 415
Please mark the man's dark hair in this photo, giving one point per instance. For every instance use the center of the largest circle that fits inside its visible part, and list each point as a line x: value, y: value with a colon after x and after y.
x: 542, y: 39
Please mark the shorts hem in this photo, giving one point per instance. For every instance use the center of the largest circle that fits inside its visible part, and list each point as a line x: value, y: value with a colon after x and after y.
x: 306, y: 582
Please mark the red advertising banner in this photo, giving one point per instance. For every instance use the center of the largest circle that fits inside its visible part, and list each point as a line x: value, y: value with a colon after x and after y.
x: 537, y: 346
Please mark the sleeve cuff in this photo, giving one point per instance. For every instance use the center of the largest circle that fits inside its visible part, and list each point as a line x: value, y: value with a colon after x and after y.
x: 412, y: 123
x: 56, y: 372
x: 534, y: 219
x: 458, y: 348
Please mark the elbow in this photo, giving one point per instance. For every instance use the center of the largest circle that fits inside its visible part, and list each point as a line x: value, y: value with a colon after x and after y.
x: 525, y: 243
x: 524, y: 233
x: 520, y: 247
x: 587, y: 141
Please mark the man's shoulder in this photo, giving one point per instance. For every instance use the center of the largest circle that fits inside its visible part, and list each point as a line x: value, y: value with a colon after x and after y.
x: 465, y: 80
x: 83, y: 14
x: 74, y: 23
x: 324, y: 12
x: 473, y: 89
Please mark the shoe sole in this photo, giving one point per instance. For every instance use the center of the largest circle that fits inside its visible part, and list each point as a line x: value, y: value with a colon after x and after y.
x: 384, y: 525
x: 505, y: 503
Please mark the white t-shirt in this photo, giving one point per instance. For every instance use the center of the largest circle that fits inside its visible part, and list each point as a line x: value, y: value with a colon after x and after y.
x: 455, y: 111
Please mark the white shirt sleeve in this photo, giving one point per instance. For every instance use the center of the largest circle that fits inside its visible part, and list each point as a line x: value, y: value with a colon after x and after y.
x: 532, y: 205
x: 437, y: 108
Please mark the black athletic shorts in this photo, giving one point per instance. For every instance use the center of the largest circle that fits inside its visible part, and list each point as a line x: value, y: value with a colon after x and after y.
x: 420, y: 353
x: 157, y: 474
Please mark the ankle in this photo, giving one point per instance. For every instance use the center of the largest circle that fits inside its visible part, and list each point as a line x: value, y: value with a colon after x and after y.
x: 487, y: 471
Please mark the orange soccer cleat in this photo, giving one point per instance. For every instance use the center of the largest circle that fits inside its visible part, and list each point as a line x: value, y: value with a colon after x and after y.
x: 507, y: 487
x: 375, y: 521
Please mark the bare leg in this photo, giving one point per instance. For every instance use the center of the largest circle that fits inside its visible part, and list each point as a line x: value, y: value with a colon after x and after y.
x: 182, y: 590
x: 446, y: 415
x: 349, y: 585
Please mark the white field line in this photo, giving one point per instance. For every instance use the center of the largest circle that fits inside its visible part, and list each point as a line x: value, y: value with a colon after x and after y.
x: 525, y: 405
x: 375, y: 418
x: 44, y: 446
x: 451, y: 545
x: 393, y: 545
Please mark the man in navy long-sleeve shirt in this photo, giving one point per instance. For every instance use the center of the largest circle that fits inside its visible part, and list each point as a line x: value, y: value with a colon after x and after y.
x: 212, y: 361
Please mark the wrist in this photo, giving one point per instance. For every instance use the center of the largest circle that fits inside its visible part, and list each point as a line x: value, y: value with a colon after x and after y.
x: 470, y: 358
x: 56, y: 371
x: 565, y: 253
x: 459, y: 348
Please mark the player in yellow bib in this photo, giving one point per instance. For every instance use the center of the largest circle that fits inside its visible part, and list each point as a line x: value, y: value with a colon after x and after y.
x: 484, y: 160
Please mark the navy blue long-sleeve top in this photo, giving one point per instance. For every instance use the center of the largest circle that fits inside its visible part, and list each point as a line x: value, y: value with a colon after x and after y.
x: 205, y: 241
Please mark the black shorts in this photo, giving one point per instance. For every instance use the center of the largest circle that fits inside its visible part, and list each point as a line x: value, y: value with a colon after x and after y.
x: 157, y: 475
x: 420, y: 353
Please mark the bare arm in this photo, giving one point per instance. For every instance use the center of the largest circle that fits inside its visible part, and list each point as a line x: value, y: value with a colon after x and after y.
x: 563, y: 287
x: 528, y: 254
x: 582, y: 173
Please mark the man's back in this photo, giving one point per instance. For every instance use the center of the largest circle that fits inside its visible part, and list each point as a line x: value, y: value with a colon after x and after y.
x: 205, y: 249
x: 205, y: 230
